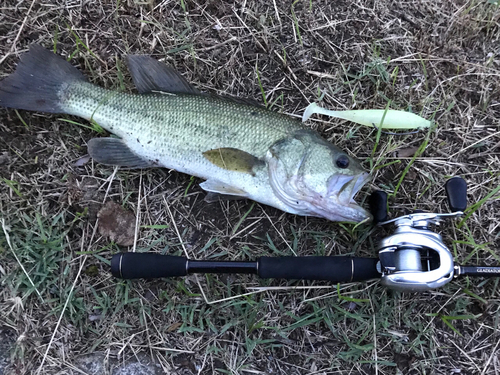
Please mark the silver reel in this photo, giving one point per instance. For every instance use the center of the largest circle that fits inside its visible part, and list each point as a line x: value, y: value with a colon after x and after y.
x: 414, y: 258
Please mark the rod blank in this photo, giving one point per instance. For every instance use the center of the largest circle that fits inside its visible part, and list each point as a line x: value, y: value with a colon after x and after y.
x: 477, y: 271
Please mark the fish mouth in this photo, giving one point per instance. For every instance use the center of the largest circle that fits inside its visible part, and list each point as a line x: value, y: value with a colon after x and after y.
x: 339, y: 204
x: 344, y: 188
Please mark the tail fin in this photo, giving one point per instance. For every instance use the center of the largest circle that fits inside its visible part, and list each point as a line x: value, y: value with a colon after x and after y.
x: 38, y: 81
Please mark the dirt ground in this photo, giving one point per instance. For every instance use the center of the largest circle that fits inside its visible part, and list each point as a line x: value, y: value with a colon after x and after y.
x: 58, y: 300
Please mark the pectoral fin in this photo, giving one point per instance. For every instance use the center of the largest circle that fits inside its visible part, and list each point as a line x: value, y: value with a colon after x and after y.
x: 149, y: 75
x: 215, y: 186
x: 113, y: 151
x: 233, y: 159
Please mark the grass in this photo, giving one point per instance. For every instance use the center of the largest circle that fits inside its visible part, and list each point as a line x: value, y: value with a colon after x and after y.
x: 438, y: 60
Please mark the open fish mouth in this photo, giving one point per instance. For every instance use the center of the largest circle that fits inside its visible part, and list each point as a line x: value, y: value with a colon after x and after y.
x: 339, y: 202
x: 336, y: 205
x: 346, y: 187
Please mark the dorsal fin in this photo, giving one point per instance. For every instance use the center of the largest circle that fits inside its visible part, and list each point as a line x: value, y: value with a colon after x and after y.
x: 149, y: 75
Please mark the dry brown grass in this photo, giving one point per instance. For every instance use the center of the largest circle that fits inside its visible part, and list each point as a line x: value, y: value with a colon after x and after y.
x: 440, y: 59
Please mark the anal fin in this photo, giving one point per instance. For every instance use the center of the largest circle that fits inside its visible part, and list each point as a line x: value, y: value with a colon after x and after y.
x: 113, y: 151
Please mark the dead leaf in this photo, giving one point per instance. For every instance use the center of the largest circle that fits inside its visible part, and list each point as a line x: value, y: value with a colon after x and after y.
x: 406, y: 152
x: 117, y: 224
x: 82, y: 161
x: 174, y: 327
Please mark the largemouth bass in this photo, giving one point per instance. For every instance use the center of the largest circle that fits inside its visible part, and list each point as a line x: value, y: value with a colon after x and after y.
x: 240, y: 149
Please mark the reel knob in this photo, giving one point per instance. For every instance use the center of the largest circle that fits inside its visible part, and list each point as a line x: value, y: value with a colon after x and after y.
x: 456, y: 191
x: 378, y: 206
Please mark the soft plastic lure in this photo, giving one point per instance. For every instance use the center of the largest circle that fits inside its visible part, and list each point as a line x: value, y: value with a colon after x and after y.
x: 372, y: 117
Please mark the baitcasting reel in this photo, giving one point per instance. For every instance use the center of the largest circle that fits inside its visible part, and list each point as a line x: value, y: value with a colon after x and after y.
x: 414, y: 258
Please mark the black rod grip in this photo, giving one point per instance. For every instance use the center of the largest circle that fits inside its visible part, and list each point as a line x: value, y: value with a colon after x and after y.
x: 336, y: 269
x: 147, y: 265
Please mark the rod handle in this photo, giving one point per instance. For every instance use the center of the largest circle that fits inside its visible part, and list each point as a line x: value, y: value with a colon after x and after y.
x: 336, y: 269
x: 147, y: 266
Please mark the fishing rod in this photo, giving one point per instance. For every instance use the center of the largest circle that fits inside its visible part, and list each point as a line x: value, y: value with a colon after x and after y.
x: 412, y: 259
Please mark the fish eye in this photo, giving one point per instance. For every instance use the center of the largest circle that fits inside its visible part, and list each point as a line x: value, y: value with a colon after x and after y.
x: 342, y: 161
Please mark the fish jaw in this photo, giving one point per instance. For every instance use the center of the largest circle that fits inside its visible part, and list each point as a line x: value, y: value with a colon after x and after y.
x: 339, y: 203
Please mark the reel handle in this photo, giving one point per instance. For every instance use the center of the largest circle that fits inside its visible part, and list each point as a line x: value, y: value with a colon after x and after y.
x: 456, y: 192
x: 335, y: 269
x: 378, y: 206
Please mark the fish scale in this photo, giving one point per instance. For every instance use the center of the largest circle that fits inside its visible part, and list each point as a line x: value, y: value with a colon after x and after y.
x: 179, y: 116
x: 170, y: 126
x: 240, y: 149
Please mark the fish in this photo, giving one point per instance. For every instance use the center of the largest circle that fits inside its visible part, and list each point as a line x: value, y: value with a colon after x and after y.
x: 389, y: 119
x: 240, y: 149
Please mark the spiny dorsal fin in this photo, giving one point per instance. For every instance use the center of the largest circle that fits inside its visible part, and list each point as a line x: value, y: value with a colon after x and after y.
x: 233, y: 159
x: 151, y: 75
x: 113, y: 151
